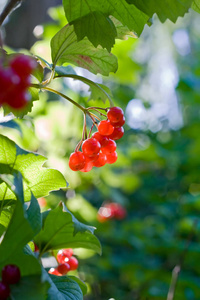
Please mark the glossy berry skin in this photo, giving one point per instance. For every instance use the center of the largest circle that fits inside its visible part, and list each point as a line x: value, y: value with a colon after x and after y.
x: 105, y: 128
x: 73, y: 263
x: 117, y: 133
x: 23, y: 65
x: 91, y: 147
x: 4, y: 291
x: 77, y: 161
x: 109, y: 148
x: 112, y: 157
x: 68, y: 252
x: 11, y: 274
x: 115, y: 114
x: 63, y: 268
x: 54, y: 271
x: 103, y: 140
x: 101, y: 161
x: 120, y: 123
x: 88, y: 165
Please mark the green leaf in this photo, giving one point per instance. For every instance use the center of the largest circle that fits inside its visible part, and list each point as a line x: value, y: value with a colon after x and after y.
x: 11, y: 124
x: 30, y: 287
x: 61, y: 230
x: 66, y: 48
x: 64, y: 288
x: 18, y: 234
x: 168, y: 9
x: 37, y: 180
x: 34, y: 216
x: 128, y: 15
x: 82, y: 284
x: 98, y: 28
x: 196, y: 6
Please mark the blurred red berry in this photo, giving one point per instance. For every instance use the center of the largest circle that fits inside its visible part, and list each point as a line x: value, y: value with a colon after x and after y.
x: 117, y: 133
x: 73, y: 263
x: 115, y: 114
x: 103, y: 140
x: 112, y: 157
x: 11, y: 274
x: 105, y: 128
x: 4, y: 291
x: 109, y: 148
x: 54, y: 272
x: 77, y: 161
x: 91, y: 147
x: 63, y: 268
x: 101, y: 161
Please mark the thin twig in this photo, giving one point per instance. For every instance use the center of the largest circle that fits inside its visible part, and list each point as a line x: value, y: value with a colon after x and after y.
x: 177, y: 269
x: 7, y: 9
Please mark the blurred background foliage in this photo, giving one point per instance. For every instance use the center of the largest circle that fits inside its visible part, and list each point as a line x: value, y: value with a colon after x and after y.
x: 156, y: 178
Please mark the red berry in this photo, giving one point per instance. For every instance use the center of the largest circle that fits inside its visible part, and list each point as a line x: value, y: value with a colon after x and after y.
x: 105, y: 127
x: 4, y: 291
x: 63, y: 268
x: 76, y: 161
x: 115, y: 114
x: 23, y: 65
x: 101, y: 161
x: 91, y: 147
x: 8, y: 80
x: 120, y: 123
x: 104, y: 213
x: 54, y: 272
x: 63, y: 254
x: 89, y: 163
x: 11, y: 274
x: 117, y: 133
x: 18, y: 100
x: 118, y: 211
x: 68, y: 252
x: 73, y: 263
x: 109, y: 148
x: 103, y: 140
x: 112, y: 157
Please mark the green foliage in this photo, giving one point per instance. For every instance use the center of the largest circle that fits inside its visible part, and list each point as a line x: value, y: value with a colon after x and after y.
x: 170, y: 9
x: 67, y: 232
x: 154, y: 178
x: 37, y: 180
x: 128, y: 15
x: 66, y: 48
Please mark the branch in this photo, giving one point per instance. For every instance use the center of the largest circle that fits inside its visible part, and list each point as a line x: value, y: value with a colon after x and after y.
x: 177, y: 269
x: 8, y: 8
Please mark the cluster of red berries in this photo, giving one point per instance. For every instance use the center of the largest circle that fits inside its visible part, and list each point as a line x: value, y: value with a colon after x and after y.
x: 66, y: 262
x: 111, y: 211
x: 101, y: 147
x: 10, y: 275
x: 15, y: 80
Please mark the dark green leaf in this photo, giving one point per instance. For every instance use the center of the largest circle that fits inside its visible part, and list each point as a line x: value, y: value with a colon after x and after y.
x: 34, y: 215
x: 66, y: 48
x: 169, y: 9
x: 128, y: 15
x: 60, y: 230
x: 63, y: 288
x: 82, y: 284
x: 98, y: 28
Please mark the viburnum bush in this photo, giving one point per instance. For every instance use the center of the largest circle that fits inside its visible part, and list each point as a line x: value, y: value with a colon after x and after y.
x: 86, y: 41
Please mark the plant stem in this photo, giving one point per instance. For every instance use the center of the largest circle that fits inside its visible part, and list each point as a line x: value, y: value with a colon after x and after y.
x: 177, y: 268
x: 64, y: 96
x: 7, y: 9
